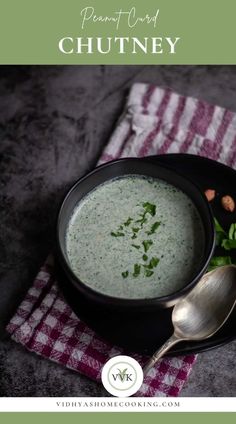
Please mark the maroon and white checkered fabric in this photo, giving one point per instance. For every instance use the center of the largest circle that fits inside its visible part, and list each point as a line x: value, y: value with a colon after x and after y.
x: 155, y: 121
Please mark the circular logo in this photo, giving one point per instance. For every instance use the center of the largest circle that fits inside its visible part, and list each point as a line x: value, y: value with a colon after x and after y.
x: 122, y: 376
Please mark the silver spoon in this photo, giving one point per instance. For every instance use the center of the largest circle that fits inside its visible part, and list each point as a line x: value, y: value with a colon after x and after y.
x: 203, y: 311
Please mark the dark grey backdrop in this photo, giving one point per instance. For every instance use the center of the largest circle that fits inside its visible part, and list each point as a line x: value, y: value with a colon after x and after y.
x: 54, y: 122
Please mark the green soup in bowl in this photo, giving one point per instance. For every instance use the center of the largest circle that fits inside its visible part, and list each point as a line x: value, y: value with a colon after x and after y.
x: 135, y: 237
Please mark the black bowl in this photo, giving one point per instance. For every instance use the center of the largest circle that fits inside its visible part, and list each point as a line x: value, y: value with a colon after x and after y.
x: 116, y: 169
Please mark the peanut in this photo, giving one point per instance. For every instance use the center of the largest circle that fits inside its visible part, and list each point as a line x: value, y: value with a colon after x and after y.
x: 210, y: 194
x: 228, y: 203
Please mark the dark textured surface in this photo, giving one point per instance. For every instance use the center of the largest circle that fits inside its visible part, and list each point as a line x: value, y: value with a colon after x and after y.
x: 54, y: 122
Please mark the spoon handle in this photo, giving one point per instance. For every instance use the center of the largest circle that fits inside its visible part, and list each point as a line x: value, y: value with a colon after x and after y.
x: 160, y: 352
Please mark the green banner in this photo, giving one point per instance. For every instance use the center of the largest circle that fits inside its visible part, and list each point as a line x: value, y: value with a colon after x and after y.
x: 123, y: 32
x: 115, y: 418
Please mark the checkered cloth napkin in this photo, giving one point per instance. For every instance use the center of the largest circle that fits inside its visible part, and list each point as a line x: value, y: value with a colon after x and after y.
x: 155, y: 121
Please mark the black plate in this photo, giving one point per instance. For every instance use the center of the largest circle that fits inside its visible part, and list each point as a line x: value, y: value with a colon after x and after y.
x: 144, y: 333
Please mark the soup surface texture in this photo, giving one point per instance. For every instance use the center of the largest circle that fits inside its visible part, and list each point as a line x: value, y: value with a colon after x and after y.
x: 135, y: 237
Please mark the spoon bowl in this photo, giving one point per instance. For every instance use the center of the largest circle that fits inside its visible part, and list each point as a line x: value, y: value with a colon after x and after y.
x: 203, y: 311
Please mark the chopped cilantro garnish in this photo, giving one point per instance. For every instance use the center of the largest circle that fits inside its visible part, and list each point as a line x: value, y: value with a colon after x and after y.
x: 147, y: 244
x: 153, y: 228
x: 136, y: 246
x: 132, y: 232
x: 148, y: 273
x: 154, y: 262
x: 118, y: 234
x: 128, y: 222
x: 142, y: 220
x: 150, y: 208
x: 137, y: 269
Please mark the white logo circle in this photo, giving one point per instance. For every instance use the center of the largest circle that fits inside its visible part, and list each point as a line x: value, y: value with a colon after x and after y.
x: 122, y: 376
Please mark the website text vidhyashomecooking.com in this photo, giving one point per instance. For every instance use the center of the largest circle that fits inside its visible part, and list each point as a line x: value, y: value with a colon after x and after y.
x: 119, y: 403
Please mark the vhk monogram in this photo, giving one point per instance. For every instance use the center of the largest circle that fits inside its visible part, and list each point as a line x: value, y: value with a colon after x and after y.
x: 122, y: 375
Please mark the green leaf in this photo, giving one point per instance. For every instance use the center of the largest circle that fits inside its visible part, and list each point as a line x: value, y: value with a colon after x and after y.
x: 128, y: 222
x: 220, y: 260
x: 228, y: 244
x: 218, y: 227
x: 135, y: 230
x: 118, y: 234
x: 227, y: 241
x: 232, y: 232
x: 217, y: 261
x: 153, y: 228
x: 147, y: 244
x: 145, y: 258
x: 141, y: 221
x: 125, y: 274
x: 219, y: 238
x: 136, y: 246
x: 154, y: 262
x: 220, y: 233
x: 150, y: 208
x: 137, y: 269
x: 148, y: 273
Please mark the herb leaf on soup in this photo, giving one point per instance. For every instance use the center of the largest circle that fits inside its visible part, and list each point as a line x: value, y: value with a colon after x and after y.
x: 136, y: 246
x: 128, y: 222
x: 148, y: 273
x: 153, y: 228
x: 147, y: 244
x: 135, y: 231
x: 150, y: 208
x: 142, y: 220
x: 132, y: 232
x: 137, y: 269
x: 154, y: 262
x: 117, y: 234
